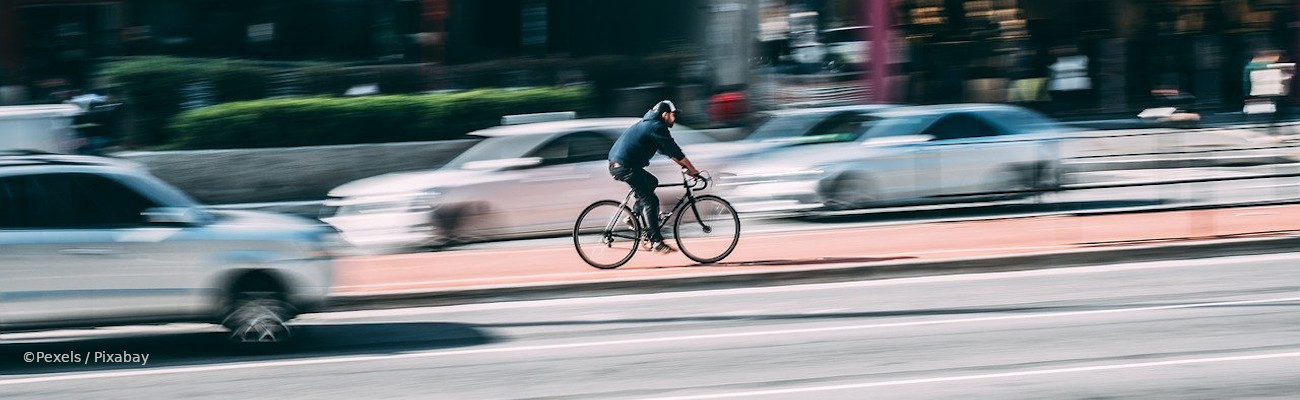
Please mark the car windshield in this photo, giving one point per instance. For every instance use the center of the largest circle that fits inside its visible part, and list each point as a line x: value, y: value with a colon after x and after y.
x: 1022, y: 122
x: 842, y: 35
x: 897, y: 126
x: 784, y: 127
x: 497, y: 148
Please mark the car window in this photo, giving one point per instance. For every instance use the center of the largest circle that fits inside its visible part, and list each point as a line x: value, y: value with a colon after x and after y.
x: 575, y: 148
x: 104, y: 202
x: 960, y: 126
x: 896, y: 126
x: 785, y: 126
x: 842, y: 35
x: 589, y: 146
x: 66, y: 201
x: 845, y: 127
x: 1018, y: 122
x: 496, y: 148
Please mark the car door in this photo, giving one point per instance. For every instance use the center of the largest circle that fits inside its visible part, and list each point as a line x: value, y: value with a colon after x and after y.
x: 49, y: 255
x: 570, y: 176
x: 968, y: 154
x: 899, y: 166
x: 152, y: 271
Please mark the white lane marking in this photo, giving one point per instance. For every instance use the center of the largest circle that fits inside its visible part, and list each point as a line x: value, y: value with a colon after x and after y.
x: 1220, y: 261
x: 980, y: 377
x: 610, y: 343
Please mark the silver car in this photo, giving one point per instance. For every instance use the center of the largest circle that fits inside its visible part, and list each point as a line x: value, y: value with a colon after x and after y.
x: 903, y: 156
x: 87, y: 241
x: 521, y: 180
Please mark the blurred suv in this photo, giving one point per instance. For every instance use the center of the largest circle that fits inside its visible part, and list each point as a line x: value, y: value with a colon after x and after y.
x: 88, y: 241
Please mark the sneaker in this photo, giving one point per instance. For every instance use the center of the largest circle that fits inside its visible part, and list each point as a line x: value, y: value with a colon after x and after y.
x: 663, y: 248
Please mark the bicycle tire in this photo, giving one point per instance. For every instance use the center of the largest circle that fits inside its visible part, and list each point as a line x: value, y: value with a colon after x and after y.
x: 616, y: 240
x: 727, y: 215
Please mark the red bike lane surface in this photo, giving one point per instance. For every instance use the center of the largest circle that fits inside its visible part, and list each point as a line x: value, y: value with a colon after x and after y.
x: 818, y: 249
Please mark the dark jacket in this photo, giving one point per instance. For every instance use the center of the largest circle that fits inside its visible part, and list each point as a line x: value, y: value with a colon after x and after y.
x: 640, y: 142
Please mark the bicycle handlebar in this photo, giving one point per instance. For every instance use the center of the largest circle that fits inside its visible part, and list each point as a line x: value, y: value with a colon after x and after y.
x: 696, y: 182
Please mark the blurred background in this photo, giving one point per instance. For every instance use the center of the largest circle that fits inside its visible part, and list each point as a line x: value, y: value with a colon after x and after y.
x: 721, y: 59
x: 209, y: 95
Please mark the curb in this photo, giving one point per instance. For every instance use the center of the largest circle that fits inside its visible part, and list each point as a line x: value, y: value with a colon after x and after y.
x: 1074, y: 258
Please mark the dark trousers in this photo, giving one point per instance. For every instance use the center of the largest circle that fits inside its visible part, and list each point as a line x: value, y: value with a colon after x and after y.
x: 643, y: 186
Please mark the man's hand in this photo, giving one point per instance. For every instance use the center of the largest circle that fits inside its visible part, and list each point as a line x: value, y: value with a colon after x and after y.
x: 690, y: 168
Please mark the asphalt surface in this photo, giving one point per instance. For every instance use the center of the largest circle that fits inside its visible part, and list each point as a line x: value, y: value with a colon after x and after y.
x: 1202, y: 329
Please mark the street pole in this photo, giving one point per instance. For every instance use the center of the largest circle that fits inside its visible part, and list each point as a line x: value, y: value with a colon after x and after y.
x: 878, y: 15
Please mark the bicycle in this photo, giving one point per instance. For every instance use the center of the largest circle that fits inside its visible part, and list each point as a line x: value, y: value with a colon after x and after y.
x: 706, y: 228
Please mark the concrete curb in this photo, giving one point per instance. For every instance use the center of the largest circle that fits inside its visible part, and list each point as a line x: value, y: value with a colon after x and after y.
x: 888, y: 270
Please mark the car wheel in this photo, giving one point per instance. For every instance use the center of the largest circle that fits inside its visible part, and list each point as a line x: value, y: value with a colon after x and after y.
x: 459, y: 224
x: 258, y: 315
x: 1025, y: 182
x: 848, y: 192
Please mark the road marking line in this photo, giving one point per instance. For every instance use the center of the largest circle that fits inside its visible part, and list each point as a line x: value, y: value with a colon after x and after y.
x: 979, y: 377
x: 433, y: 354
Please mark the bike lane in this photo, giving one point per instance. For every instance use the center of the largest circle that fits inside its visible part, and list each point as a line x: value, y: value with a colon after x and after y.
x: 818, y: 249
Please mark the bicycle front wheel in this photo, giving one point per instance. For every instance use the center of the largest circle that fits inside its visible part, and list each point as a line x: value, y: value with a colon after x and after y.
x: 607, y: 234
x: 707, y: 230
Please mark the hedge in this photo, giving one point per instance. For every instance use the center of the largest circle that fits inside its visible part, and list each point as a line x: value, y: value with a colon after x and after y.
x: 154, y: 86
x: 324, y: 121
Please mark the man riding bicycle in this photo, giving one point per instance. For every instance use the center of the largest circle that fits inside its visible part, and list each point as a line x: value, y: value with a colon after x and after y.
x: 631, y: 154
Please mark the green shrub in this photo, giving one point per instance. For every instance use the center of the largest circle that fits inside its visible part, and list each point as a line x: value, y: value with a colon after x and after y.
x: 375, y: 119
x: 153, y: 87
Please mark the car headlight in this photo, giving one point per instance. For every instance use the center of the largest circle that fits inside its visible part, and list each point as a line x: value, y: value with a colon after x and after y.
x: 385, y: 204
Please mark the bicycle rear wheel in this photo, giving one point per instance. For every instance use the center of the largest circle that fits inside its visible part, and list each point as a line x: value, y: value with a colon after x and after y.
x: 606, y: 234
x: 709, y: 235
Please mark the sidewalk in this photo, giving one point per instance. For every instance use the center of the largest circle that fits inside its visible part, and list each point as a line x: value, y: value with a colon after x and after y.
x: 815, y: 252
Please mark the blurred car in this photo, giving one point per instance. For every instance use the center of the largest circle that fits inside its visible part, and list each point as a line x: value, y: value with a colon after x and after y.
x: 89, y: 241
x: 846, y: 48
x: 525, y: 179
x: 903, y: 156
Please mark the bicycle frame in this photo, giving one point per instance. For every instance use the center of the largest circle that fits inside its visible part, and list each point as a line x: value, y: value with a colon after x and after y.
x: 687, y: 199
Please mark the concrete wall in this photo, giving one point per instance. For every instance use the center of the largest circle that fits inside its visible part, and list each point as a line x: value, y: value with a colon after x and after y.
x: 286, y: 174
x: 301, y: 173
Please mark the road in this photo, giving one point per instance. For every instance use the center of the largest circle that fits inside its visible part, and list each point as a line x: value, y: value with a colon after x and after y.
x: 1202, y: 329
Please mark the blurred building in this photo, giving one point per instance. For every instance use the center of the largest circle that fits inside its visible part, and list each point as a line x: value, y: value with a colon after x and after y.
x: 949, y: 50
x: 54, y: 42
x: 969, y: 50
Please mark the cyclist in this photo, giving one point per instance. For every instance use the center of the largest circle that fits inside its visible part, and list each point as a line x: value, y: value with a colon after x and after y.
x: 631, y: 154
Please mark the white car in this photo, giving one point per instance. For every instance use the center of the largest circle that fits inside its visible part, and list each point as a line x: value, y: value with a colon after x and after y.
x: 903, y: 156
x: 522, y: 180
x: 88, y: 241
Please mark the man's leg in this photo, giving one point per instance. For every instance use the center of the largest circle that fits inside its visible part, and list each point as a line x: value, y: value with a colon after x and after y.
x: 644, y: 184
